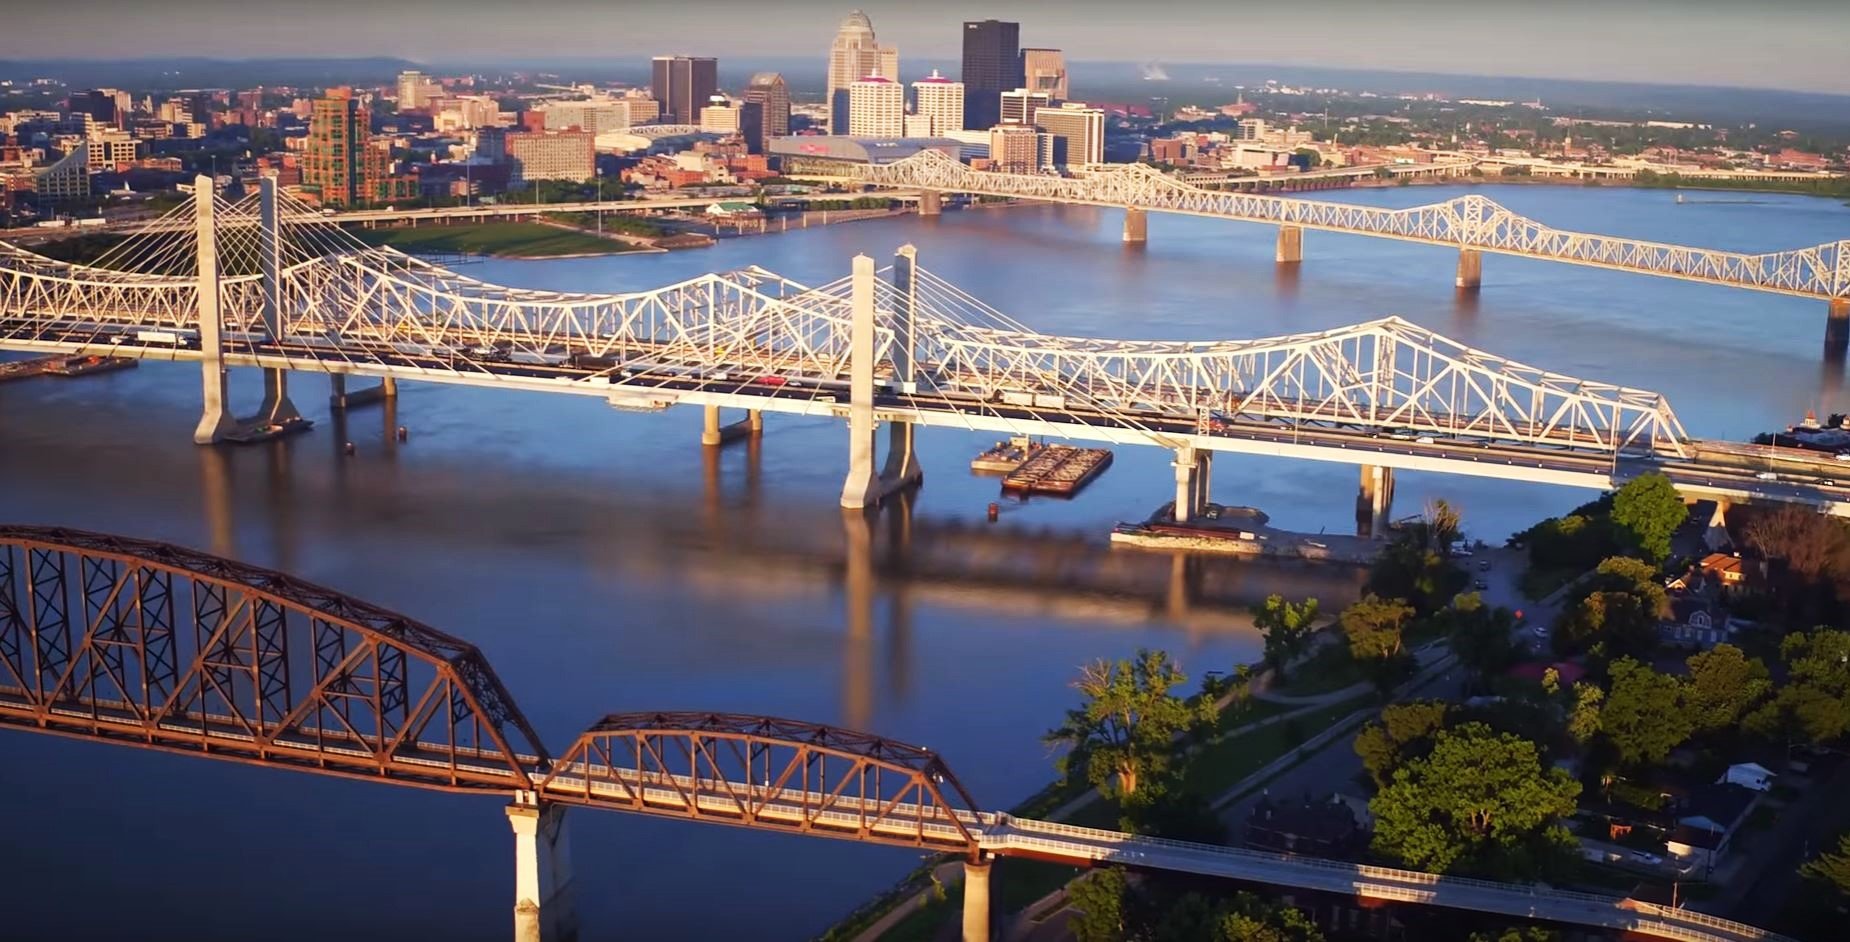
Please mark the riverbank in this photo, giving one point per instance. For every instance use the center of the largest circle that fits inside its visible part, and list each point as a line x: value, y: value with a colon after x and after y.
x: 528, y: 240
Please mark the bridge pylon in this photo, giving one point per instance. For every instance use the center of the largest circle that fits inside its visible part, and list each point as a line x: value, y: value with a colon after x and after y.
x: 215, y: 419
x: 976, y: 898
x: 543, y: 904
x: 276, y: 406
x: 1290, y: 245
x: 1470, y: 270
x: 866, y: 485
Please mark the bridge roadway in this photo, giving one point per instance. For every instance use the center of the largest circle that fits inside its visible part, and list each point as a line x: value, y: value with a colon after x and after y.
x: 780, y: 806
x: 655, y: 390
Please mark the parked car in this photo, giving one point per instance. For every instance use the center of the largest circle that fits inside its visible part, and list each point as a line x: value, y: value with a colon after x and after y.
x: 1647, y: 858
x: 1484, y: 566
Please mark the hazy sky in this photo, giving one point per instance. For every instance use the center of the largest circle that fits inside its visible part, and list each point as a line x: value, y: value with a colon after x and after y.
x: 1796, y: 44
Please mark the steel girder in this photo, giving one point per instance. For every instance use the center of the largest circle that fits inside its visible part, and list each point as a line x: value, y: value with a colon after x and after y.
x: 1820, y: 271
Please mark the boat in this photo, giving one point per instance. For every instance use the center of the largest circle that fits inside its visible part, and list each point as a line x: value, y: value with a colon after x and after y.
x: 1005, y: 456
x: 85, y: 365
x: 265, y: 431
x: 1060, y: 470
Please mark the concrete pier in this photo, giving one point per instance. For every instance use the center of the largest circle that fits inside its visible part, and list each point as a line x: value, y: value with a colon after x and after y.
x: 1837, y: 328
x: 976, y: 900
x: 1193, y: 468
x: 1136, y: 226
x: 1375, y: 501
x: 1470, y: 269
x: 714, y: 433
x: 931, y: 203
x: 215, y: 419
x: 866, y: 484
x: 276, y: 408
x: 1290, y: 244
x: 340, y: 398
x: 543, y: 910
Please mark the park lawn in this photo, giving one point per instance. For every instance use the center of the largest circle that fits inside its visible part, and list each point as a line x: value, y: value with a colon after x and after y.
x: 1222, y: 763
x: 1329, y: 668
x: 504, y: 239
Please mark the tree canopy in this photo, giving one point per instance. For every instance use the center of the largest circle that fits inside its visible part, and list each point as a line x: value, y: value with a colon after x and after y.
x: 1724, y: 684
x: 1405, y: 730
x: 1814, y: 703
x: 1374, y: 626
x: 1646, y: 511
x: 1126, y: 729
x: 1480, y: 635
x: 1832, y: 868
x: 1645, y: 715
x: 1481, y: 802
x: 1287, y: 628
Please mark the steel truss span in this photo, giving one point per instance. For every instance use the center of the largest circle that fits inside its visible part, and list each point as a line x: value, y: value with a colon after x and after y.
x: 1469, y: 222
x: 153, y: 645
x: 767, y: 773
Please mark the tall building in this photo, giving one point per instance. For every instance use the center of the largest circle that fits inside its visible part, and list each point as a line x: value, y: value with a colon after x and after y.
x: 1019, y: 148
x: 551, y: 155
x: 415, y: 90
x: 1020, y: 105
x: 1078, y: 133
x: 1044, y: 70
x: 767, y: 110
x: 683, y: 84
x: 992, y: 65
x: 854, y: 55
x: 941, y: 101
x: 720, y: 116
x: 340, y: 165
x: 877, y: 108
x: 98, y: 103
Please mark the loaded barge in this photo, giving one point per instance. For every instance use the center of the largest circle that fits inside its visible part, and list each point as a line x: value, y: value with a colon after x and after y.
x: 1004, y: 457
x: 1060, y: 470
x: 59, y: 364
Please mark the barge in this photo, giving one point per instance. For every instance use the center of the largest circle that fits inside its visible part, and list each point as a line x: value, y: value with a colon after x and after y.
x: 25, y: 369
x: 1060, y: 470
x: 85, y: 365
x: 266, y: 431
x: 1005, y: 456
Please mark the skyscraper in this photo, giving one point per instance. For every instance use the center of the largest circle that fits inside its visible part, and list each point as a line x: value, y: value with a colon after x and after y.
x: 1078, y: 133
x: 1044, y: 70
x: 877, y: 107
x: 683, y: 85
x: 1019, y: 105
x: 854, y: 55
x: 766, y: 113
x: 340, y: 164
x: 992, y: 65
x: 940, y: 100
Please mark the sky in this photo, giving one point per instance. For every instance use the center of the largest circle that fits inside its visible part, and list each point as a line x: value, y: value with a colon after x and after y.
x: 1789, y: 44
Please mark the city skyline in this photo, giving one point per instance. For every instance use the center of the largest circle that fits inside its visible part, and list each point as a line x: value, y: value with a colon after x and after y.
x: 1789, y: 44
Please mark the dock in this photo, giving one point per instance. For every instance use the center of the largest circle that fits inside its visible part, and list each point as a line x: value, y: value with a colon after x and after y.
x: 1005, y: 456
x: 1060, y: 470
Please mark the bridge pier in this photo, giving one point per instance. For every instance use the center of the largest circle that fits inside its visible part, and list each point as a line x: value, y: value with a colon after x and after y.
x: 276, y: 406
x: 1375, y: 501
x: 1193, y: 467
x: 713, y: 433
x: 1837, y: 328
x: 1290, y: 244
x: 1136, y: 226
x: 340, y: 398
x: 931, y: 203
x: 976, y: 900
x: 1470, y: 269
x: 543, y: 910
x: 215, y: 419
x: 867, y: 485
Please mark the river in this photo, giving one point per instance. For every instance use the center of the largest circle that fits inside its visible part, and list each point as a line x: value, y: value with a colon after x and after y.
x: 603, y: 563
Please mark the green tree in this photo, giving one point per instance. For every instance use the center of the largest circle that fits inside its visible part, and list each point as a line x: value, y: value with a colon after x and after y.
x: 1645, y: 715
x: 1099, y: 897
x: 1374, y: 626
x: 1481, y: 802
x: 1255, y: 919
x: 1480, y: 635
x: 1832, y: 868
x: 1621, y: 623
x: 1647, y: 510
x: 1287, y: 629
x: 1724, y: 684
x: 1404, y: 731
x: 1518, y: 934
x: 1583, y: 718
x: 1126, y: 729
x: 1814, y: 703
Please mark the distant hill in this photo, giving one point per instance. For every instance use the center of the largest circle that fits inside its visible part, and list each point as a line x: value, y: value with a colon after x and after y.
x: 160, y: 74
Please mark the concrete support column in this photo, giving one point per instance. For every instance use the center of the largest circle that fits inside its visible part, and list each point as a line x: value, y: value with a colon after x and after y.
x: 1136, y: 226
x: 976, y: 900
x: 710, y: 432
x: 1470, y: 269
x: 276, y: 405
x: 754, y: 420
x: 543, y: 910
x: 1290, y: 244
x: 863, y: 484
x: 1837, y: 328
x: 1377, y: 496
x: 214, y: 419
x: 388, y: 387
x: 1204, y: 469
x: 1185, y: 466
x: 902, y: 466
x: 931, y: 203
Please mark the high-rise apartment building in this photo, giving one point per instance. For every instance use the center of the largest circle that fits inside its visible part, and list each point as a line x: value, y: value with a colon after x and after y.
x: 877, y: 108
x: 643, y: 109
x: 854, y: 55
x: 941, y: 101
x: 683, y: 84
x: 992, y: 65
x: 1044, y: 70
x: 766, y: 113
x: 340, y: 165
x: 1078, y: 133
x: 1020, y: 105
x: 551, y: 155
x: 720, y: 116
x: 1019, y: 148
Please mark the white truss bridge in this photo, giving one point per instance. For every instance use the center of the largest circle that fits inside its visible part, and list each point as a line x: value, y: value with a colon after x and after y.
x: 286, y: 291
x: 1471, y: 223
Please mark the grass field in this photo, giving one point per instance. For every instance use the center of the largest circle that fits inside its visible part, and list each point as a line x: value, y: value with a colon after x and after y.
x: 504, y: 239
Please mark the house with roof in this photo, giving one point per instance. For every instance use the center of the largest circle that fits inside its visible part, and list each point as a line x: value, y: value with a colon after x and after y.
x: 1321, y: 827
x: 1707, y: 820
x: 1727, y: 569
x: 1696, y: 621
